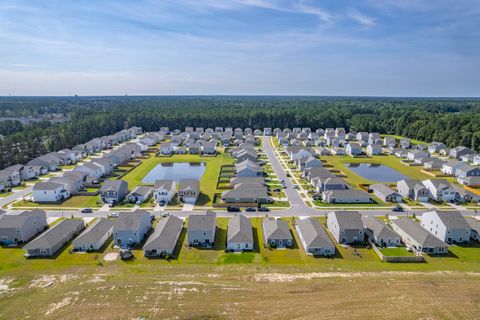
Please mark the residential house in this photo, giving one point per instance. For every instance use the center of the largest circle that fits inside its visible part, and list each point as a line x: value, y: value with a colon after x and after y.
x: 380, y: 233
x: 374, y: 149
x: 130, y: 228
x: 346, y: 227
x: 248, y: 168
x: 353, y: 149
x: 475, y: 226
x: 164, y: 239
x: 140, y: 194
x: 413, y: 189
x: 389, y: 142
x: 450, y: 167
x: 49, y: 192
x: 297, y: 152
x: 448, y: 226
x: 457, y: 152
x: 113, y: 191
x: 309, y: 162
x: 189, y: 190
x: 95, y: 236
x: 433, y: 164
x: 166, y: 148
x: 337, y: 151
x: 436, y: 147
x: 52, y: 240
x: 201, y: 229
x: 314, y: 238
x: 417, y: 155
x: 20, y: 228
x: 404, y: 143
x: 440, y: 189
x: 417, y: 238
x: 467, y: 170
x: 91, y: 169
x: 346, y: 196
x: 164, y: 191
x: 276, y: 233
x: 246, y: 193
x: 385, y: 193
x: 239, y: 234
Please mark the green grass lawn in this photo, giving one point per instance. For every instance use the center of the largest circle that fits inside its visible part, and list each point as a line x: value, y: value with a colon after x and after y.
x: 396, y: 252
x: 74, y: 202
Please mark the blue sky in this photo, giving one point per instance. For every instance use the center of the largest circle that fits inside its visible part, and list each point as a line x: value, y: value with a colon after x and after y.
x: 295, y: 47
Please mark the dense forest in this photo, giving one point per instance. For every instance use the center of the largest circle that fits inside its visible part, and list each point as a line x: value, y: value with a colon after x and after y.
x: 453, y: 121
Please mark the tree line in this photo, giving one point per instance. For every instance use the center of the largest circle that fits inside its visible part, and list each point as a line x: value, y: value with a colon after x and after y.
x: 452, y: 121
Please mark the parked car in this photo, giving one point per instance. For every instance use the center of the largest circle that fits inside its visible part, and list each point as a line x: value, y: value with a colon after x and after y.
x: 398, y: 209
x: 113, y: 214
x: 87, y: 210
x: 250, y: 209
x: 264, y: 209
x: 233, y: 209
x: 295, y: 186
x: 126, y: 253
x: 165, y: 214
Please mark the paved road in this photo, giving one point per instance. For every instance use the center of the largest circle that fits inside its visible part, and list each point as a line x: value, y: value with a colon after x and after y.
x: 17, y: 195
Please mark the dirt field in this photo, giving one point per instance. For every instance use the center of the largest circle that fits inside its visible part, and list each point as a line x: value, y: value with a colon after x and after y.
x: 240, y: 292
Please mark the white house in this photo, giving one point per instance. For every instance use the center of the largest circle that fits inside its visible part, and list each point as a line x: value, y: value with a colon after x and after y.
x: 164, y: 190
x: 440, y: 189
x: 448, y: 226
x: 49, y: 192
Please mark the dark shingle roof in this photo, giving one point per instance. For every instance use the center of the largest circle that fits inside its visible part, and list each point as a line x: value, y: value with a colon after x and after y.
x: 55, y: 234
x: 165, y: 235
x: 276, y: 229
x: 314, y: 234
x: 240, y: 229
x: 95, y: 232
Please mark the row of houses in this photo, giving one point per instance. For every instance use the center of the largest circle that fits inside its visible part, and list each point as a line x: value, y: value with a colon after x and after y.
x: 436, y: 189
x: 14, y: 175
x: 248, y: 185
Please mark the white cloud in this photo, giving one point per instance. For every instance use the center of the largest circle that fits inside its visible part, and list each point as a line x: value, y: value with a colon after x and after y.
x: 361, y: 18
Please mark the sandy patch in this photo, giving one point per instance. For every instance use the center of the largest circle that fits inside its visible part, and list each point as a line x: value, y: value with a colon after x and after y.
x: 5, y: 286
x: 55, y: 306
x: 280, y: 277
x: 51, y: 220
x: 112, y: 256
x: 46, y: 281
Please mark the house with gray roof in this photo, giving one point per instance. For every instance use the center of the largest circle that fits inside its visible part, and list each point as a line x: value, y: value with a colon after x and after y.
x: 448, y: 226
x: 140, y: 194
x: 385, y: 193
x: 130, y: 228
x: 164, y: 239
x: 459, y: 151
x: 440, y: 189
x: 314, y: 238
x: 346, y: 196
x: 346, y: 226
x: 433, y: 164
x: 239, y: 234
x: 20, y: 228
x: 189, y: 190
x: 246, y: 193
x: 248, y: 168
x: 380, y: 233
x: 276, y: 233
x: 95, y: 236
x: 413, y: 189
x: 450, y: 167
x: 475, y: 226
x: 49, y: 192
x: 201, y: 229
x: 164, y: 191
x: 467, y: 170
x: 113, y: 191
x: 417, y: 238
x: 52, y: 240
x: 353, y: 149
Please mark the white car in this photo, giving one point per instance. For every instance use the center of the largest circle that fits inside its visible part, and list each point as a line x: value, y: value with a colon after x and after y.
x: 113, y: 214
